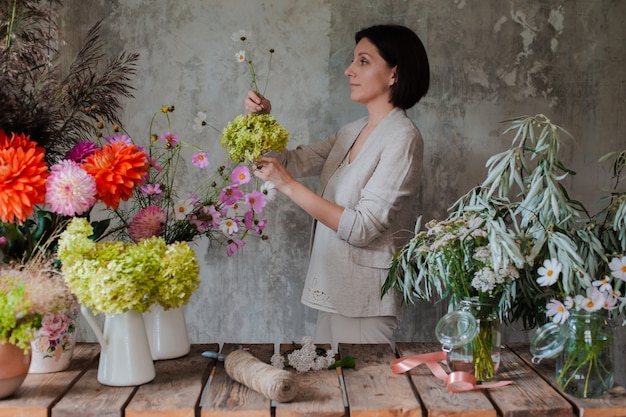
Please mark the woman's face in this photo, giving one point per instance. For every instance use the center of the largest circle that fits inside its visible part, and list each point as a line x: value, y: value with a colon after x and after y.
x: 370, y: 76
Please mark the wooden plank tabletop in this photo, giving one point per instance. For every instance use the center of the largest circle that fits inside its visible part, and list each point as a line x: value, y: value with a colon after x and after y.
x: 197, y: 386
x: 612, y: 404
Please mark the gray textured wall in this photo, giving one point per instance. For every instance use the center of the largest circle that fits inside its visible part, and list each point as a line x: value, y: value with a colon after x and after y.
x: 490, y: 59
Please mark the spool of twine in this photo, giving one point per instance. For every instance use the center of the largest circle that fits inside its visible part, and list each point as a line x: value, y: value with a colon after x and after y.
x: 276, y: 384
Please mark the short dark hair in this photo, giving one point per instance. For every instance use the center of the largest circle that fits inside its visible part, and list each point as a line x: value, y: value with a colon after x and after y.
x: 400, y: 47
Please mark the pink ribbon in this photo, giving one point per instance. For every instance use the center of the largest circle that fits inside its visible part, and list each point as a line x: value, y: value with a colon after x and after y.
x: 455, y: 382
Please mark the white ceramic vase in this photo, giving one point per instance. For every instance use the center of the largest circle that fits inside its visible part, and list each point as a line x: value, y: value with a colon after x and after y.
x: 167, y: 332
x: 54, y: 342
x: 125, y: 358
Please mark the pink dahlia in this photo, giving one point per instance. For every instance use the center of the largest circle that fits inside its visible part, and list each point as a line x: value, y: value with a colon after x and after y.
x: 148, y: 222
x: 70, y: 190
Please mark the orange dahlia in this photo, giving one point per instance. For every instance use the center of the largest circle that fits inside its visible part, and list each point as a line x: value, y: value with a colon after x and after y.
x: 23, y: 174
x: 117, y: 169
x: 16, y: 141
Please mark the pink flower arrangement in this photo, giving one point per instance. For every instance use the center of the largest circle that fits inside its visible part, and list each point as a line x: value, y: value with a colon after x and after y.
x: 38, y: 200
x: 226, y: 206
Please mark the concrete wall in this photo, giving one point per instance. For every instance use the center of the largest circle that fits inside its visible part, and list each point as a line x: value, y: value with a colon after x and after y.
x: 490, y: 59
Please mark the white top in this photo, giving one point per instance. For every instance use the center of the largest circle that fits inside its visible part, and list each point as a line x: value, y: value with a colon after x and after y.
x: 315, y: 294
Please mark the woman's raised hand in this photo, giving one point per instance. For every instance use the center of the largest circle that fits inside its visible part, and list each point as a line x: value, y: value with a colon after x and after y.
x: 256, y: 103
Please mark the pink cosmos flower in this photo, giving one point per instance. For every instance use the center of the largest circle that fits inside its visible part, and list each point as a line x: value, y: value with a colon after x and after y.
x: 148, y: 222
x: 154, y: 164
x: 151, y: 189
x: 256, y: 201
x: 122, y: 140
x: 80, y: 151
x: 200, y: 159
x: 70, y: 190
x: 170, y: 138
x: 240, y: 175
x: 260, y: 226
x: 234, y: 246
x: 230, y: 195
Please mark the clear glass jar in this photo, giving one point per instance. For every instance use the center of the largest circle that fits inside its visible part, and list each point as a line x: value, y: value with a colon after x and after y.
x: 584, y: 368
x: 471, y: 337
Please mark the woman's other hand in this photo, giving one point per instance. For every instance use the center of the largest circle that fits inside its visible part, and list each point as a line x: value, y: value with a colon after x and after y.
x: 256, y: 103
x: 270, y: 169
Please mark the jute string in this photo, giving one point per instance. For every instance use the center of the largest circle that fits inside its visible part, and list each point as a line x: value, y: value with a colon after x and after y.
x: 276, y: 384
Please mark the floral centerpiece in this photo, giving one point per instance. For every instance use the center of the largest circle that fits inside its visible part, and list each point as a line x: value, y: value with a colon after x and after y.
x: 520, y: 239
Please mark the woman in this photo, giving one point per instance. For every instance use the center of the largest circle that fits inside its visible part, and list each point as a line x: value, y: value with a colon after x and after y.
x: 369, y: 174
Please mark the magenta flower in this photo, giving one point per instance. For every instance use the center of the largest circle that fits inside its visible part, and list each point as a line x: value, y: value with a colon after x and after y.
x: 122, y: 140
x: 70, y: 190
x: 200, y: 159
x: 240, y: 175
x: 230, y: 195
x: 151, y: 189
x: 256, y: 201
x: 234, y: 246
x: 81, y: 151
x: 148, y: 222
x: 260, y: 226
x: 154, y: 164
x: 170, y: 138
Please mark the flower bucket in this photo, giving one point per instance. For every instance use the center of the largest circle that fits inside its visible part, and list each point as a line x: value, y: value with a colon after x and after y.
x: 14, y: 365
x: 471, y: 338
x: 54, y: 342
x: 167, y: 332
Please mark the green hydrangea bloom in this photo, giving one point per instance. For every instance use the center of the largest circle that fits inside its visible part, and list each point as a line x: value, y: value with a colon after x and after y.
x: 113, y: 277
x: 17, y: 322
x: 247, y: 137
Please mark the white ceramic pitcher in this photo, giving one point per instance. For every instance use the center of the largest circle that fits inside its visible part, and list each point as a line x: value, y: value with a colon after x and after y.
x: 125, y: 358
x: 167, y: 332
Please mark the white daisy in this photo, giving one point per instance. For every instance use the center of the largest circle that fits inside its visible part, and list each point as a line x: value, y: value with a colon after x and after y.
x: 549, y: 272
x: 241, y: 56
x: 557, y: 311
x: 618, y: 268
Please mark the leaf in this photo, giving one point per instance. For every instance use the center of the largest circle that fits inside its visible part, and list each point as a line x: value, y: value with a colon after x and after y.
x: 346, y: 362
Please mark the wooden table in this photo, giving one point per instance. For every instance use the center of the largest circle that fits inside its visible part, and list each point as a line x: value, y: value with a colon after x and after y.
x: 197, y: 386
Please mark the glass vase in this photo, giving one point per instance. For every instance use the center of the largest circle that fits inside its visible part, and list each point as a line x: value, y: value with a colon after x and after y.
x: 480, y: 354
x: 584, y: 368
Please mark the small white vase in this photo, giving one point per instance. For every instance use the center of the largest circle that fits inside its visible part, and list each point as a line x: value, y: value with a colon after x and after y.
x: 124, y: 350
x: 54, y: 342
x: 167, y: 332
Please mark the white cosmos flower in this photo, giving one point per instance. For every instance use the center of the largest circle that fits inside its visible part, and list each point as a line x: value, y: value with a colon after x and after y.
x: 269, y: 189
x: 241, y: 56
x: 240, y: 36
x: 199, y: 122
x: 549, y: 272
x: 229, y: 226
x: 182, y: 208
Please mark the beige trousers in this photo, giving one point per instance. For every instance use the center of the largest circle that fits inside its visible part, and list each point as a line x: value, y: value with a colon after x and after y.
x: 334, y: 328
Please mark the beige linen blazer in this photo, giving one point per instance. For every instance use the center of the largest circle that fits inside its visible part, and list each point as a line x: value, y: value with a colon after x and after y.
x: 379, y: 207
